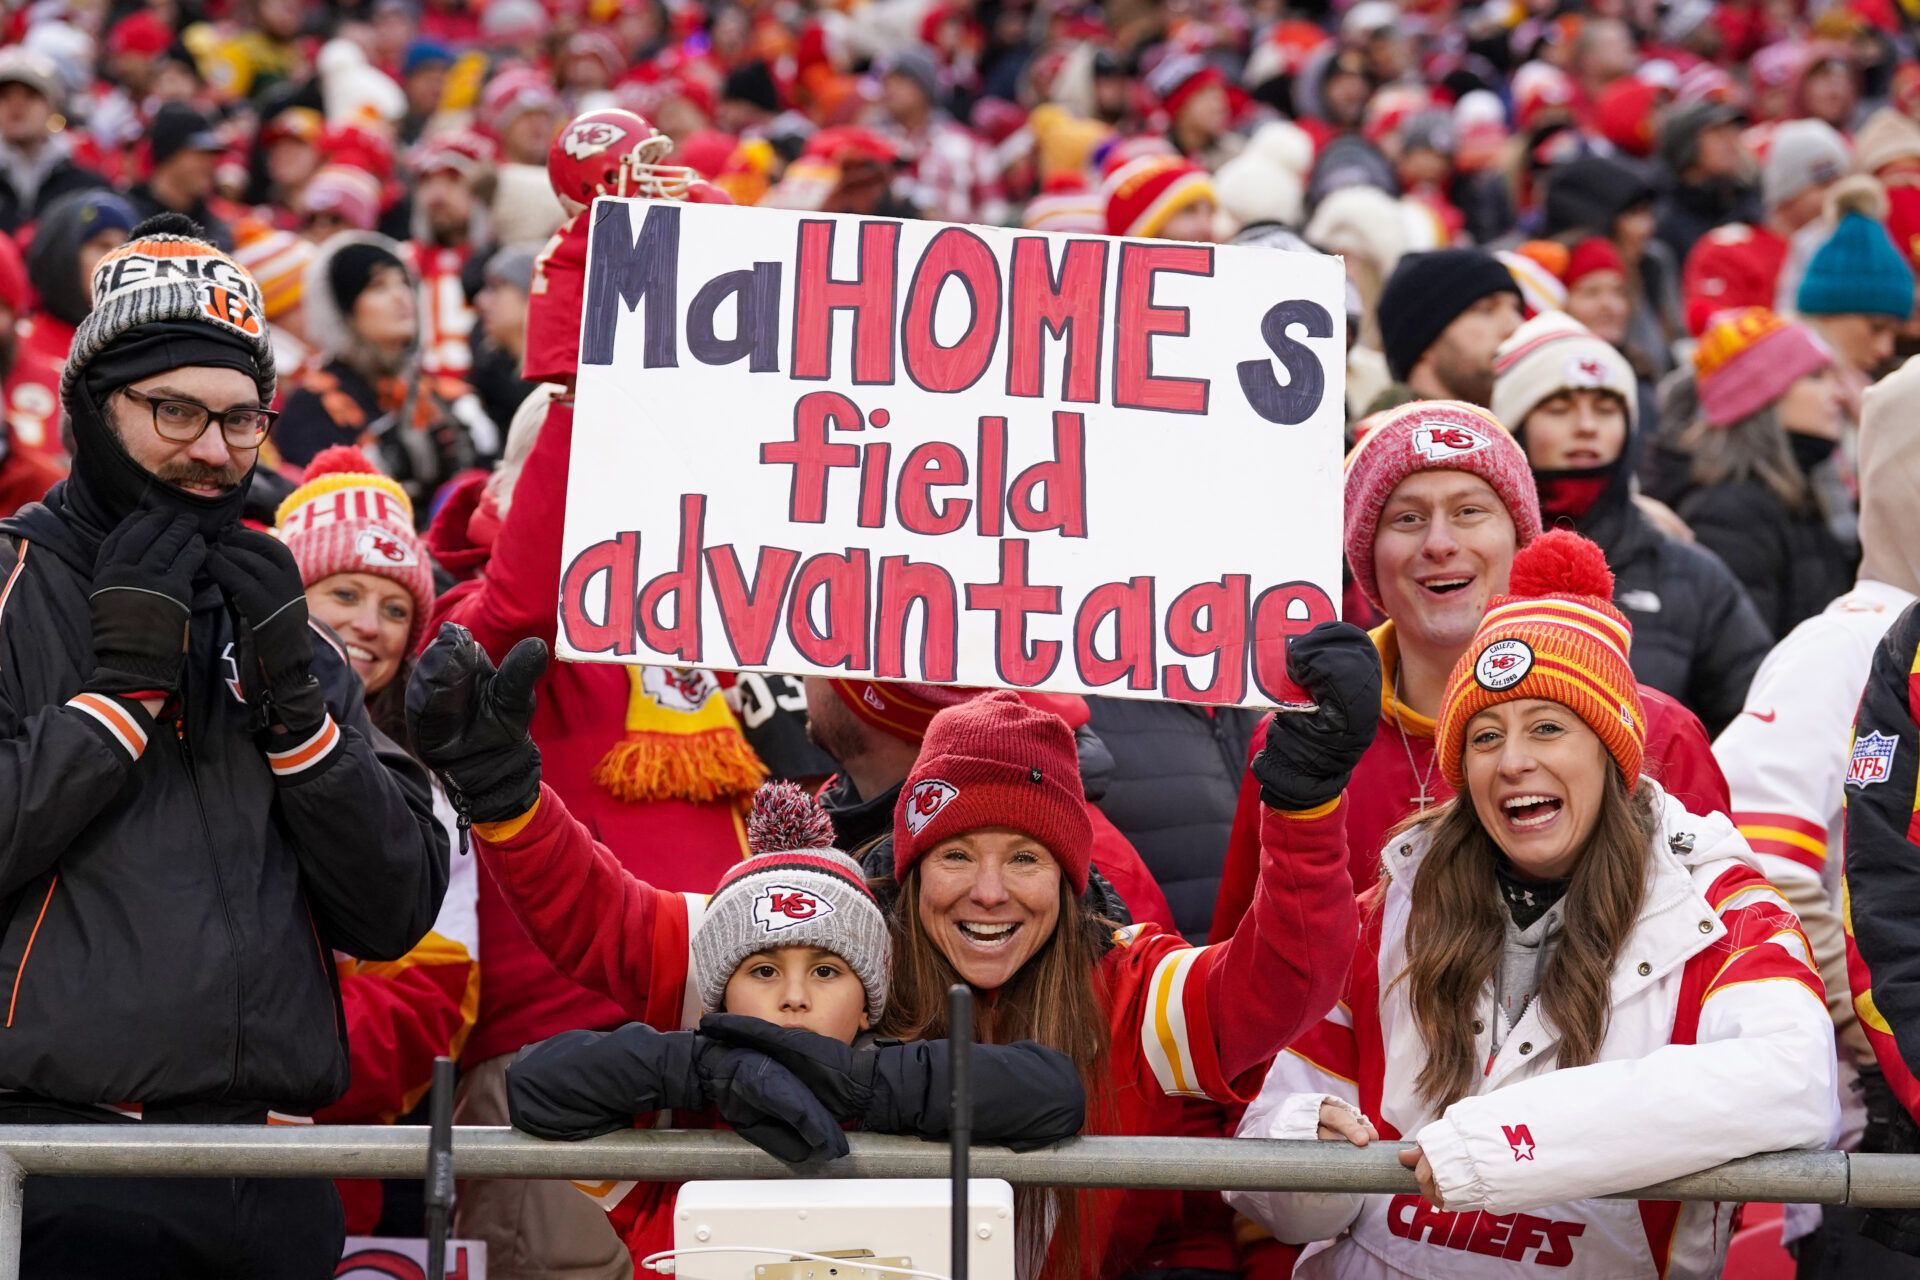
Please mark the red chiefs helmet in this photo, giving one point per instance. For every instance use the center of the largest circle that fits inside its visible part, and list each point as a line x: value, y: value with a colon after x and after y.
x: 612, y: 152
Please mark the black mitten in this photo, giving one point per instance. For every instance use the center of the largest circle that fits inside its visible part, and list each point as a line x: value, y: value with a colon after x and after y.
x: 581, y: 1084
x: 1310, y: 755
x: 259, y: 577
x: 470, y: 723
x: 765, y: 1104
x: 141, y: 602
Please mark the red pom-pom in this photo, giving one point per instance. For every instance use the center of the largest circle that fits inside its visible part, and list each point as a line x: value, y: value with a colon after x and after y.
x: 340, y: 458
x: 1561, y: 563
x: 785, y: 818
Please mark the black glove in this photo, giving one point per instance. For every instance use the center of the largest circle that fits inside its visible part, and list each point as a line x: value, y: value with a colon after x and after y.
x: 141, y: 602
x: 1025, y: 1095
x: 839, y: 1077
x: 766, y: 1104
x: 1310, y: 754
x: 581, y: 1084
x: 469, y: 723
x: 260, y: 579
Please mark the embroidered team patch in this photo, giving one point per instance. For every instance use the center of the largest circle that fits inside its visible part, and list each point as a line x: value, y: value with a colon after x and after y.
x: 1503, y: 664
x: 779, y: 907
x: 383, y: 550
x: 1585, y: 371
x: 1872, y: 759
x: 1437, y: 441
x: 926, y: 802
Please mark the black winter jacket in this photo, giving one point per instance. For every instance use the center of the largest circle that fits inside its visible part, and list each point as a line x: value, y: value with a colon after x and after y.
x: 1176, y: 782
x: 1696, y: 635
x: 1790, y: 563
x: 169, y: 916
x: 1882, y: 864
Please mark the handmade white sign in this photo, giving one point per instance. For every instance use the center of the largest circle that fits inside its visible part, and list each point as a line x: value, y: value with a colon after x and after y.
x: 826, y: 444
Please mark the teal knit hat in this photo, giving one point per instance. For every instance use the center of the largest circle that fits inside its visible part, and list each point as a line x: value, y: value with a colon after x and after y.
x: 1858, y: 271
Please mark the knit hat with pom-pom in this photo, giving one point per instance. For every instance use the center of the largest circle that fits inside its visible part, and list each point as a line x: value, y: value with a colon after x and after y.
x: 348, y: 518
x: 794, y: 890
x: 1859, y: 270
x: 1555, y: 636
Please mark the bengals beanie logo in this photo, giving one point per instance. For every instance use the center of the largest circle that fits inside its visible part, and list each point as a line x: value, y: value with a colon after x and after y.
x: 926, y: 801
x: 228, y: 307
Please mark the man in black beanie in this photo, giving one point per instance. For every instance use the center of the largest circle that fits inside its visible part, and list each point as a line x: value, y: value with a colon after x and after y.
x: 194, y: 811
x: 182, y: 146
x: 1442, y: 315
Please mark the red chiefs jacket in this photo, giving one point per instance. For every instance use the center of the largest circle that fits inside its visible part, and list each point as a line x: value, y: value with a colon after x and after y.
x: 1186, y: 1022
x: 675, y: 844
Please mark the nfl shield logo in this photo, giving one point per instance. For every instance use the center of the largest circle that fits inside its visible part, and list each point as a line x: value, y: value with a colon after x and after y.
x: 1872, y: 760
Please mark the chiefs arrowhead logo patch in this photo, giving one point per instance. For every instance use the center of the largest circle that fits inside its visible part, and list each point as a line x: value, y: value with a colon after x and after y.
x: 925, y: 802
x: 779, y: 907
x: 591, y: 138
x: 1503, y: 664
x: 1436, y: 441
x: 383, y: 550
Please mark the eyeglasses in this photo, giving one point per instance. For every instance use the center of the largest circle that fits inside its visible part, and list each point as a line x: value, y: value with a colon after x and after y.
x: 184, y: 421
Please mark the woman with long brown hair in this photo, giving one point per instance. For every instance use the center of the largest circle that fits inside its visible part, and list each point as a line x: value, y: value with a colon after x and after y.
x: 1568, y: 986
x: 991, y: 855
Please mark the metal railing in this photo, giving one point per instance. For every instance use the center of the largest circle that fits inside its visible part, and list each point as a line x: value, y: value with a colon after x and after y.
x: 1180, y: 1164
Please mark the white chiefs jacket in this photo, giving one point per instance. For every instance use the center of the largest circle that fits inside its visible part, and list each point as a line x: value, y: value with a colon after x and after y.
x: 1719, y: 1047
x: 1786, y: 758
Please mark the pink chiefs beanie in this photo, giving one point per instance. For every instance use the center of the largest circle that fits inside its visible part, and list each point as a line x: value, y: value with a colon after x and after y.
x: 348, y: 518
x: 1431, y: 435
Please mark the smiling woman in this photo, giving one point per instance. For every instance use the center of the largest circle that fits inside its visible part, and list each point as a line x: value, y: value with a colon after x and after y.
x: 368, y: 578
x: 991, y: 857
x: 1560, y: 963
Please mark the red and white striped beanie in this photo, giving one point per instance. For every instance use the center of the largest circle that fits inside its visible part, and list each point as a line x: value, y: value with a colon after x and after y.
x: 346, y: 517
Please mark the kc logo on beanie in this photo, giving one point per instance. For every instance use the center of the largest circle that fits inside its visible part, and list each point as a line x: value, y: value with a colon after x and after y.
x: 926, y: 801
x: 1442, y: 440
x: 782, y: 906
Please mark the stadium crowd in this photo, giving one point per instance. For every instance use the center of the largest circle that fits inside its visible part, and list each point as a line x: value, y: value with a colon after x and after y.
x: 1549, y: 882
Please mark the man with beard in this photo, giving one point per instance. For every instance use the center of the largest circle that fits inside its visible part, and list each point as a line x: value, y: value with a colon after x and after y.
x: 25, y: 475
x: 195, y: 804
x: 1442, y: 316
x: 449, y: 230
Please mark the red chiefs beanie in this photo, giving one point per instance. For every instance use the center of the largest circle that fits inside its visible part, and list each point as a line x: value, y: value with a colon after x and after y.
x: 1431, y: 435
x: 995, y: 761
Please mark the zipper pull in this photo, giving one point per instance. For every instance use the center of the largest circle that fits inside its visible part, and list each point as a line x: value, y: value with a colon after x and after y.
x: 461, y: 821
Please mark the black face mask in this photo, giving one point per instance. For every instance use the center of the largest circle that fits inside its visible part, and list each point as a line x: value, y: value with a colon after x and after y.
x: 107, y: 484
x: 1810, y: 451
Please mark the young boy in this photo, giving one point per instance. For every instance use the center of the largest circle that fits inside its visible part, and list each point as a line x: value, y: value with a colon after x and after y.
x: 792, y: 936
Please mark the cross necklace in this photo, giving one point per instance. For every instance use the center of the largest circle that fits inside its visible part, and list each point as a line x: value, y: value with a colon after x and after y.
x: 1424, y: 800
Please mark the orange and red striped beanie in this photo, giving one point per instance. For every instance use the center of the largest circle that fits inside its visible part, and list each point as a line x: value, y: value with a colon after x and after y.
x: 1555, y: 636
